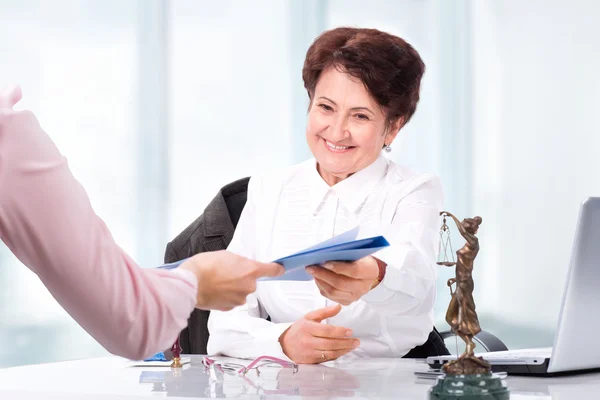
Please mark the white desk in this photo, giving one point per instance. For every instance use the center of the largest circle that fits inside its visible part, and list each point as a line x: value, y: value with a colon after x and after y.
x: 111, y: 378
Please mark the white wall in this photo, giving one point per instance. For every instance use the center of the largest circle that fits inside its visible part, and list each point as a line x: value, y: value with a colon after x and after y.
x: 536, y: 140
x: 78, y: 77
x: 231, y: 100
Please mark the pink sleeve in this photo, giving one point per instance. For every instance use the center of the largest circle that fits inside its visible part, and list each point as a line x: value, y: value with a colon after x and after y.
x: 47, y: 221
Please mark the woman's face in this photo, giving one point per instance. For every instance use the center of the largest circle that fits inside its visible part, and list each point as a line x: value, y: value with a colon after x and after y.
x: 346, y: 127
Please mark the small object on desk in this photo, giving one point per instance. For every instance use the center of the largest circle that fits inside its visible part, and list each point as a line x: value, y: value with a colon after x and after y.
x: 176, y: 350
x: 467, y: 377
x: 241, y: 367
x: 157, y: 357
x: 169, y: 358
x: 158, y: 360
x: 461, y: 314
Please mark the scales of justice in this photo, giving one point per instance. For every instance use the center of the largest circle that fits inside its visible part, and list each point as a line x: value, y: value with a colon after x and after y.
x: 469, y: 376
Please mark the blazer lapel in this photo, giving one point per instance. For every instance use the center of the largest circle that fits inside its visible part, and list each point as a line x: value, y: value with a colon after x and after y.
x: 218, y: 228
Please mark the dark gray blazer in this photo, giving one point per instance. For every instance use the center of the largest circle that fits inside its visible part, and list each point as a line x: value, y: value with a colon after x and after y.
x: 212, y: 231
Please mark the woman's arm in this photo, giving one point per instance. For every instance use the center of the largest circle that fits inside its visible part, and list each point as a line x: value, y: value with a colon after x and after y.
x: 244, y: 332
x: 411, y: 269
x: 47, y: 221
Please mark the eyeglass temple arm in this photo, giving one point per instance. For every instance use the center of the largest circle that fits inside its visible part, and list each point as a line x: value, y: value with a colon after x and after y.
x: 268, y: 358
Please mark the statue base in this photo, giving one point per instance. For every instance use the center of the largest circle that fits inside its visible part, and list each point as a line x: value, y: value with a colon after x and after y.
x: 469, y: 365
x: 469, y: 387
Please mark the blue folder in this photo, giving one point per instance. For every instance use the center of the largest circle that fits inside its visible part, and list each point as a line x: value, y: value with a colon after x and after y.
x: 343, y: 247
x: 335, y: 249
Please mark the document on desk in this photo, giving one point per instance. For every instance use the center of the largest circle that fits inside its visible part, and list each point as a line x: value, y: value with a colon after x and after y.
x: 343, y: 247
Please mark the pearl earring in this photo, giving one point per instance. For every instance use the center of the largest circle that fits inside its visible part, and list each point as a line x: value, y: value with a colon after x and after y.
x: 387, y: 148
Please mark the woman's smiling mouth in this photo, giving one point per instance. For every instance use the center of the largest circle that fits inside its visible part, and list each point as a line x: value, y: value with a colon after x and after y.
x: 337, y: 148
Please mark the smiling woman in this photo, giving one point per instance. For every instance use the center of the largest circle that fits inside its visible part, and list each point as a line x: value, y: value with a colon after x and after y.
x: 346, y: 128
x: 361, y: 94
x: 363, y: 86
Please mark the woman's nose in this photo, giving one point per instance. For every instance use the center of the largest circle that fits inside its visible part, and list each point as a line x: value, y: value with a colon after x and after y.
x: 339, y: 130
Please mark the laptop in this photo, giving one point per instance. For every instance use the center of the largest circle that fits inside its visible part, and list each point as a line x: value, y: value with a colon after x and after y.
x: 577, y: 339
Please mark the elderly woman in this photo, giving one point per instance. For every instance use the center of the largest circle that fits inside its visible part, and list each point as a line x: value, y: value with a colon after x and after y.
x: 363, y: 87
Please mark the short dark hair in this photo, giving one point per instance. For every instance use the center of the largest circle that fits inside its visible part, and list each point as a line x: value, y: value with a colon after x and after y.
x: 389, y: 67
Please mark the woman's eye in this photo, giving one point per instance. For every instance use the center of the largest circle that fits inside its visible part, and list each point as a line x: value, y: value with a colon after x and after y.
x: 326, y: 107
x: 362, y: 117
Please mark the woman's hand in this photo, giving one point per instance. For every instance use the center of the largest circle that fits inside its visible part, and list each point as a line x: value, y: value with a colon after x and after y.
x: 308, y: 341
x: 226, y: 279
x: 346, y: 282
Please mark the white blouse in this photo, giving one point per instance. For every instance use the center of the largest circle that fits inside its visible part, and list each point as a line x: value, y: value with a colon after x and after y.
x: 292, y: 209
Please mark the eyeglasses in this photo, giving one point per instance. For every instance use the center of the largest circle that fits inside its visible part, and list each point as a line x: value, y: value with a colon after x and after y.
x: 242, y: 370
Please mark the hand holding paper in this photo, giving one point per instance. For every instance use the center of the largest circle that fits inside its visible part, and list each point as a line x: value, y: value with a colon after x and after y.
x: 346, y: 282
x: 225, y: 279
x: 344, y: 247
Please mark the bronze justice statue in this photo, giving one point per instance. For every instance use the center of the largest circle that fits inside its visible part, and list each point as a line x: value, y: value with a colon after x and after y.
x: 468, y: 377
x: 461, y: 315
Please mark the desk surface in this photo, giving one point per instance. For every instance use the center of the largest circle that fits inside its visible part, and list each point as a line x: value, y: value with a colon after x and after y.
x: 112, y: 378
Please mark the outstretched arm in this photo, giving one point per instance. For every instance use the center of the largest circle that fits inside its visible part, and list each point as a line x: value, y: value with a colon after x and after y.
x: 47, y: 221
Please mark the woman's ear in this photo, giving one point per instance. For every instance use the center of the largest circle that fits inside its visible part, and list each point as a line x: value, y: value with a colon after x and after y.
x: 393, y: 129
x: 398, y: 124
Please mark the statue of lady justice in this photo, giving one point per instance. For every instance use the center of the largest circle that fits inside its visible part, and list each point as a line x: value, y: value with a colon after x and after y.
x: 461, y: 315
